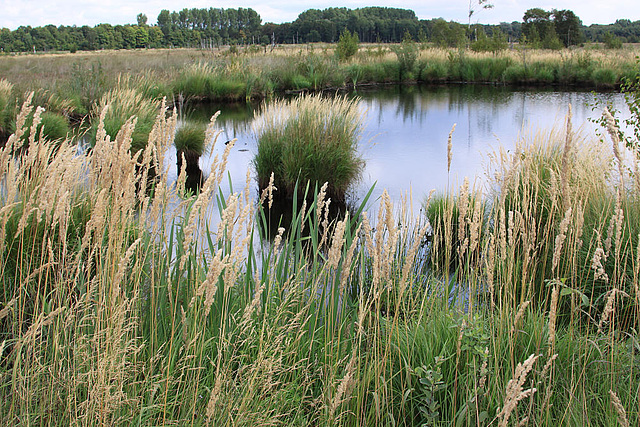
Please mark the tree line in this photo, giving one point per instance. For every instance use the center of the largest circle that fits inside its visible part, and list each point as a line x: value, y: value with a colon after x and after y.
x: 217, y: 26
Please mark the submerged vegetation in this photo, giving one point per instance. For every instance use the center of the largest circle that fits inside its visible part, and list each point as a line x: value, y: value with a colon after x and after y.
x: 123, y: 306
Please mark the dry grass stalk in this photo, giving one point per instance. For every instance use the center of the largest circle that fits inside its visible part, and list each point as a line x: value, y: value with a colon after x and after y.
x: 483, y: 371
x: 514, y: 391
x: 335, y: 251
x: 211, y: 134
x: 7, y: 307
x: 565, y: 169
x: 463, y: 208
x: 459, y: 342
x: 599, y: 255
x: 450, y: 148
x: 410, y: 258
x: 267, y: 192
x: 389, y: 244
x: 277, y: 241
x: 617, y: 405
x: 346, y: 383
x: 560, y: 238
x: 617, y: 152
x: 223, y: 164
x: 324, y: 225
x: 215, y: 395
x: 547, y: 366
x: 489, y: 266
x: 122, y: 266
x: 209, y: 286
x: 162, y: 135
x: 6, y: 88
x: 255, y: 302
x: 552, y: 317
x: 502, y: 228
x: 608, y: 309
x: 636, y: 271
x: 519, y: 316
x: 303, y: 213
x: 619, y: 226
x: 475, y: 226
x: 346, y: 269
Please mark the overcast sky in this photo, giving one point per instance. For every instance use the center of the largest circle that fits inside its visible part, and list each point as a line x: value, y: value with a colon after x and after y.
x: 14, y: 13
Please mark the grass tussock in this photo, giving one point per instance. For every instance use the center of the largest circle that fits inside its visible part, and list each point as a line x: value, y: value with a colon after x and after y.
x: 191, y: 137
x: 122, y: 306
x: 309, y: 139
x: 122, y: 105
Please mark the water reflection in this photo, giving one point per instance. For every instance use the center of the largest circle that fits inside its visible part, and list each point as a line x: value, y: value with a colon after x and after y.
x: 405, y: 138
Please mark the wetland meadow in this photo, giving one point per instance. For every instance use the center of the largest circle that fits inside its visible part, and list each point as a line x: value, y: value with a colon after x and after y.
x: 148, y: 277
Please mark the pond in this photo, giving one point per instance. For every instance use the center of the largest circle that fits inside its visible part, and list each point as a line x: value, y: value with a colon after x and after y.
x: 404, y: 142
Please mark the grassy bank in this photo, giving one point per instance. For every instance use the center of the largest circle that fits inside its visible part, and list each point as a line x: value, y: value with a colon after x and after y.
x: 121, y: 306
x: 72, y: 83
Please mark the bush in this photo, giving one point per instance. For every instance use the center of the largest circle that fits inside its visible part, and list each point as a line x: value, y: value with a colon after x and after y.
x: 494, y: 44
x: 605, y: 77
x: 407, y: 54
x: 611, y: 41
x: 348, y: 45
x: 309, y: 139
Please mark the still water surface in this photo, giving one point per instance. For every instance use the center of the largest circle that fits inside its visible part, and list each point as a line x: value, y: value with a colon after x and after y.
x: 404, y: 142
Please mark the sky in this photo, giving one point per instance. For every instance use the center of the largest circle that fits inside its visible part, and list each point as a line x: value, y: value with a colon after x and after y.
x: 14, y: 13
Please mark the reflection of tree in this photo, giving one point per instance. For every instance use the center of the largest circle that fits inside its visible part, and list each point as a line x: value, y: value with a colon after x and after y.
x: 413, y: 103
x: 234, y: 119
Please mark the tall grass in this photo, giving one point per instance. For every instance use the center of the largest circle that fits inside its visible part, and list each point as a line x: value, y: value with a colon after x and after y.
x: 121, y: 105
x: 122, y: 307
x: 309, y: 139
x: 7, y: 105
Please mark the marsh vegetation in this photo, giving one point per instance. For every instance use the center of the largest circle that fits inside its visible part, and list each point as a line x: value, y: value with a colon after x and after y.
x: 124, y: 306
x: 123, y: 303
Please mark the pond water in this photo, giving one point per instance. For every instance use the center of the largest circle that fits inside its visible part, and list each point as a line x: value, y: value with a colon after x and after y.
x: 404, y: 142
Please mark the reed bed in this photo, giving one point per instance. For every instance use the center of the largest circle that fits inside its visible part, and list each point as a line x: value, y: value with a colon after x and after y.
x: 122, y: 306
